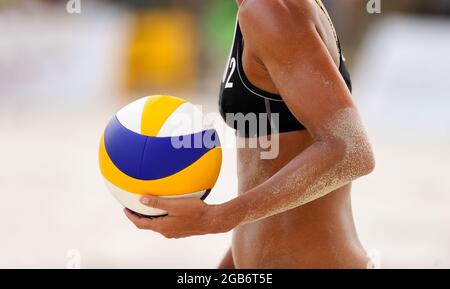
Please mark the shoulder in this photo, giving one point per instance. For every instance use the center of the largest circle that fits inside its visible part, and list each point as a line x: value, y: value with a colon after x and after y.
x: 273, y: 26
x: 267, y: 22
x: 277, y: 14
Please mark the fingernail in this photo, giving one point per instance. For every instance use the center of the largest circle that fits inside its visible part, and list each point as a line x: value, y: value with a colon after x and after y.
x: 145, y: 200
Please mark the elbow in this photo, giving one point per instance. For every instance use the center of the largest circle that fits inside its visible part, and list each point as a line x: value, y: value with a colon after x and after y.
x: 368, y: 162
x: 363, y: 159
x: 357, y: 157
x: 351, y: 144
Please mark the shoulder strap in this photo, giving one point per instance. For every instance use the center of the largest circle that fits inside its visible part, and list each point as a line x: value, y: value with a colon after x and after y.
x: 338, y: 42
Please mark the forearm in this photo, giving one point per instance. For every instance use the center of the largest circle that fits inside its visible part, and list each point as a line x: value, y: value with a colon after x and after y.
x: 294, y: 185
x: 322, y: 168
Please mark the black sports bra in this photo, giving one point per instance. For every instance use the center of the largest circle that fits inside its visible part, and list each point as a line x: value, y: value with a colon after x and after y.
x: 251, y: 111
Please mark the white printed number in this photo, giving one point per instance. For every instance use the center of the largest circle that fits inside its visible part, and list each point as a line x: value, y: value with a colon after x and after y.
x: 229, y: 84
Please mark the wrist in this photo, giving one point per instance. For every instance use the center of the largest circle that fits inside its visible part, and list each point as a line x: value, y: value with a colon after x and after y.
x: 218, y: 219
x: 227, y: 216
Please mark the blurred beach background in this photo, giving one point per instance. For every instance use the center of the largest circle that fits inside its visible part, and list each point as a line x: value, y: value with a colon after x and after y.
x: 63, y: 75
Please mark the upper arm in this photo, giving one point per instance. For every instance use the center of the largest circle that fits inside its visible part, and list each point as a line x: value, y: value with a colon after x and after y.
x: 283, y: 37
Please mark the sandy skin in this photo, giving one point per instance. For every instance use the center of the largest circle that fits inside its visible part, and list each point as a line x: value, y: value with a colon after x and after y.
x: 318, y: 234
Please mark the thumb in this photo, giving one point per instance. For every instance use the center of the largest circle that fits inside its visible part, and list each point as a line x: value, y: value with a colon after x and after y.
x: 159, y: 203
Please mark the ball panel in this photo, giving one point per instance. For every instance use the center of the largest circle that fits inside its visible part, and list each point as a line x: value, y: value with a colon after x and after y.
x: 131, y: 115
x: 162, y: 159
x: 200, y: 175
x: 124, y: 147
x: 186, y: 119
x: 131, y: 201
x: 156, y: 111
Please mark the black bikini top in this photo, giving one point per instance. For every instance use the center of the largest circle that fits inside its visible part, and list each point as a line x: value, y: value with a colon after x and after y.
x: 251, y: 111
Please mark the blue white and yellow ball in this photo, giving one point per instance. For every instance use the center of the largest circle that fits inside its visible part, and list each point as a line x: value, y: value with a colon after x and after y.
x: 138, y: 157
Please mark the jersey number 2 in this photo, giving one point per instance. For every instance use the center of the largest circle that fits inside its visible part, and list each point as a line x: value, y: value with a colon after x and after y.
x: 229, y: 84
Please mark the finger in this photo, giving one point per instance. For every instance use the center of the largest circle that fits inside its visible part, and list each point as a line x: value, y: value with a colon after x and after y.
x: 170, y: 205
x: 132, y: 217
x: 140, y: 222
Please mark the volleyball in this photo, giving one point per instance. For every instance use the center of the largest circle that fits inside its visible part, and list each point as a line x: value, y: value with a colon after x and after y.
x: 157, y: 146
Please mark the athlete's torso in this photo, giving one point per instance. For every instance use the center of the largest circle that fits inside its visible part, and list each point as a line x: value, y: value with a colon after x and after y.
x: 320, y: 234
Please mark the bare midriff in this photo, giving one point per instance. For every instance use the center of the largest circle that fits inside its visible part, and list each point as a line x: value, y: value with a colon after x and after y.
x: 320, y: 234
